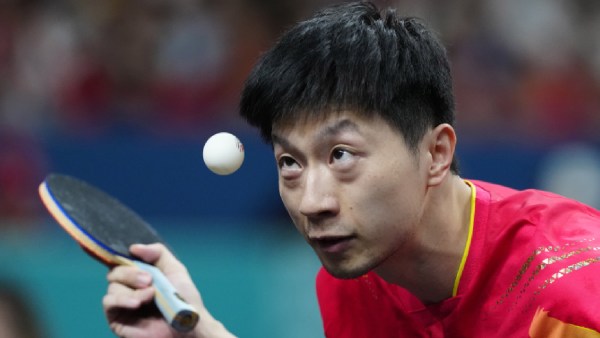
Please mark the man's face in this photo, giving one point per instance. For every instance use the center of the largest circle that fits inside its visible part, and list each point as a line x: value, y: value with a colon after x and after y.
x: 352, y: 188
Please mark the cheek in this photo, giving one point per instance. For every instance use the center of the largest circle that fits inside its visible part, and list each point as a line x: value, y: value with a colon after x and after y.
x: 385, y: 201
x: 290, y: 204
x: 283, y: 192
x: 286, y: 201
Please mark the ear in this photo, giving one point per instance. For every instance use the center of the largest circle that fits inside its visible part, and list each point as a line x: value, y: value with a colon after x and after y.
x: 442, y: 143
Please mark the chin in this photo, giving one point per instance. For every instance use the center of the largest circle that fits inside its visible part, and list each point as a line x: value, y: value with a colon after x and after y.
x: 345, y: 273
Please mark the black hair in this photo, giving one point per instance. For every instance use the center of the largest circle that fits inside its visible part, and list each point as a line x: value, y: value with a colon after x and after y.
x: 353, y: 57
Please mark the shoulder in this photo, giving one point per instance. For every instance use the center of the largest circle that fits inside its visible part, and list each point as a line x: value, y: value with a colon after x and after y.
x: 502, y: 196
x: 545, y: 249
x: 548, y: 212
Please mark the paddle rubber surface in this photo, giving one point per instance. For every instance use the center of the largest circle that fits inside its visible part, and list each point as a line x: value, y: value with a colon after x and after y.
x: 103, y: 218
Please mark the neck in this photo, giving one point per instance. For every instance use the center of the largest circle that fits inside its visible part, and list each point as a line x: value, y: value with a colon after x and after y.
x: 429, y: 266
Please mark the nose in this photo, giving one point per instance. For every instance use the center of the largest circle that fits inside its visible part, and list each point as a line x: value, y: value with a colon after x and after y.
x: 318, y: 196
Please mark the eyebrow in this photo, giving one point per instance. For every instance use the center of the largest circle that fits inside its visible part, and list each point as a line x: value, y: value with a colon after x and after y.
x: 329, y: 131
x: 338, y: 127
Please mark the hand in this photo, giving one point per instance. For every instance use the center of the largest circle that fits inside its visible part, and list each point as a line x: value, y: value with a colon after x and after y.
x: 129, y: 306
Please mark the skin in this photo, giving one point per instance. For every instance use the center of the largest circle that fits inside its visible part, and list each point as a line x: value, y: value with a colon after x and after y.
x: 361, y: 199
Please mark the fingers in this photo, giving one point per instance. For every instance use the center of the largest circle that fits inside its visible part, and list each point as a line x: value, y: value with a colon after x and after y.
x: 130, y: 311
x: 123, y: 297
x: 131, y: 276
x: 128, y: 302
x: 129, y: 287
x: 158, y: 255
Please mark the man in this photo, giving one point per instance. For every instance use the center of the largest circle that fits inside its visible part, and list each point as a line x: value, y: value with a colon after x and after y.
x: 359, y: 109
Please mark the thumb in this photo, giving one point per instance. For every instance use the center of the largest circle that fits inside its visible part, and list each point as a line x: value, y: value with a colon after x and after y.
x: 158, y: 255
x: 149, y: 253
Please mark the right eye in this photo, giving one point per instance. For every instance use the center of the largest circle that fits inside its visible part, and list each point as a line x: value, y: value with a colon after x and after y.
x: 286, y: 162
x: 288, y: 166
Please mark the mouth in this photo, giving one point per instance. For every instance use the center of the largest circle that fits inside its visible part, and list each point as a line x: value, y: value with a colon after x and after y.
x: 332, y: 244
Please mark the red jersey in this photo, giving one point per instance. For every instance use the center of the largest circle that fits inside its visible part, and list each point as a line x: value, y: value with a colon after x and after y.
x: 530, y: 269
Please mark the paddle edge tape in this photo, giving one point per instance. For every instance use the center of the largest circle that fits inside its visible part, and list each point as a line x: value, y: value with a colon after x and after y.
x: 76, y: 232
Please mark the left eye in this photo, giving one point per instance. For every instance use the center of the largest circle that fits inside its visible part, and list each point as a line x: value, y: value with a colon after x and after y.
x: 340, y: 154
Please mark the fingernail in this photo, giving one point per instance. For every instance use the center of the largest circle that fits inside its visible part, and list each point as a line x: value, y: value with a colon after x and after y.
x: 134, y: 246
x: 132, y: 302
x: 144, y: 279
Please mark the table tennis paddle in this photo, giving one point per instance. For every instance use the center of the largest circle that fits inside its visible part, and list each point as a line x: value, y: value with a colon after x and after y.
x: 106, y: 228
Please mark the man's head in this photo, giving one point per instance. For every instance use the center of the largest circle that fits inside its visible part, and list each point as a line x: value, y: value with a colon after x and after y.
x: 352, y: 57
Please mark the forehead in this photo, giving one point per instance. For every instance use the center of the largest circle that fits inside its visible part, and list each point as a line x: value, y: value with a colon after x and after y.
x: 325, y: 125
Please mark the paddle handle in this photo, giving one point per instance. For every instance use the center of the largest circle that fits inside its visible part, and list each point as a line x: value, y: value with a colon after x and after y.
x: 179, y: 314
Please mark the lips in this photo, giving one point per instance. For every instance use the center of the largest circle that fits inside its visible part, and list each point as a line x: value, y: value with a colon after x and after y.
x: 332, y: 244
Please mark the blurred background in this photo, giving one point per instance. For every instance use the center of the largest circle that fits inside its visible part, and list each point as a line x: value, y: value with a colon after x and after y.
x: 124, y: 93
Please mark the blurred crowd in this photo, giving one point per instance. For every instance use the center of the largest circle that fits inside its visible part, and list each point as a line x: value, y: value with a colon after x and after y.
x: 530, y: 68
x: 526, y: 70
x: 86, y: 67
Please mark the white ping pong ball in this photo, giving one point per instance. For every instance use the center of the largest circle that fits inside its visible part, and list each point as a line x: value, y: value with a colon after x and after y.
x: 223, y: 153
